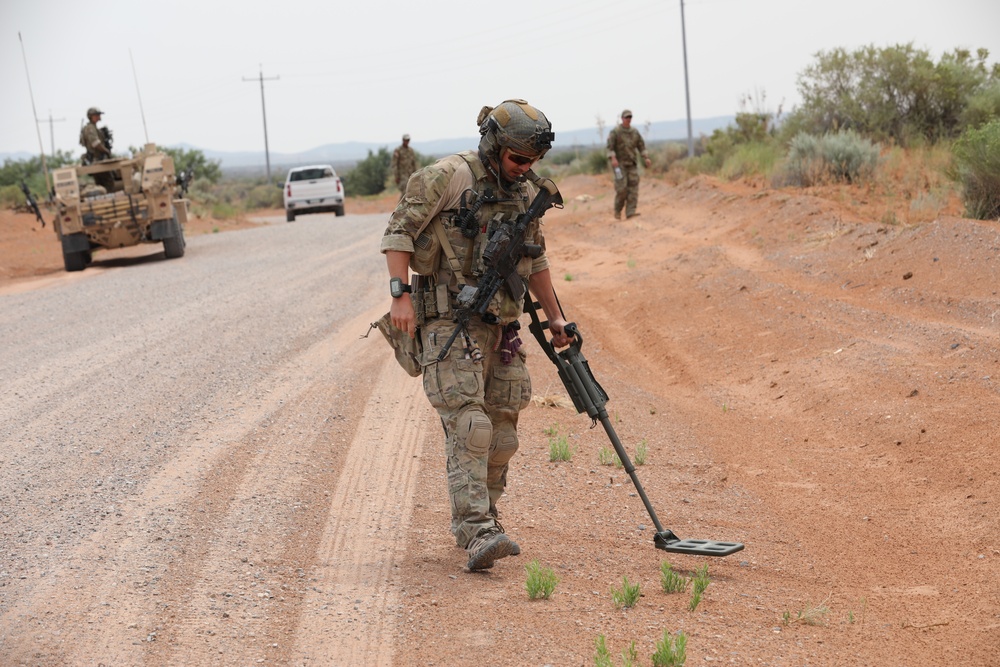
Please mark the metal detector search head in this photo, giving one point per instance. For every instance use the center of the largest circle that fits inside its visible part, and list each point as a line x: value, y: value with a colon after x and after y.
x: 589, y: 397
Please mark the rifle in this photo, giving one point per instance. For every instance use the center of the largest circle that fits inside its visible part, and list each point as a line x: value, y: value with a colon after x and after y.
x: 588, y: 396
x: 184, y: 179
x: 32, y: 202
x: 504, y: 250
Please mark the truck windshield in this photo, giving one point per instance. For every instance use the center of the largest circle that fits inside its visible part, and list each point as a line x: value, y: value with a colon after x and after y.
x: 310, y: 174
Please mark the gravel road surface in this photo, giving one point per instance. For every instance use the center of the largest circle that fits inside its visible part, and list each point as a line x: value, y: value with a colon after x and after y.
x: 183, y: 447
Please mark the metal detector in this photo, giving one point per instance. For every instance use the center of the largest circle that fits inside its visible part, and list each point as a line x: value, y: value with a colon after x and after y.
x: 588, y: 396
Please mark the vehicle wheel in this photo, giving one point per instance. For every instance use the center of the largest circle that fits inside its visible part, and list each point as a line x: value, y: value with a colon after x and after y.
x: 290, y: 215
x: 173, y: 247
x: 339, y: 210
x: 75, y: 261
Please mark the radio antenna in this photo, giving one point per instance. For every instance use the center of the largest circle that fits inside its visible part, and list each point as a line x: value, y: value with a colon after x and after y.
x: 38, y: 131
x: 141, y: 112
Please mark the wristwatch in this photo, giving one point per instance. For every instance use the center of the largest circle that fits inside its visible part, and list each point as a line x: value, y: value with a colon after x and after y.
x: 397, y: 287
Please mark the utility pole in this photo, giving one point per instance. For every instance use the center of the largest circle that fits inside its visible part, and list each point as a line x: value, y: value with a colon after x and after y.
x: 687, y: 91
x: 267, y: 152
x: 52, y: 135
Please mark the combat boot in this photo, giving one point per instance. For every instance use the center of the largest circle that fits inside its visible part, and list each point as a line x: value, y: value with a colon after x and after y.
x: 488, y: 546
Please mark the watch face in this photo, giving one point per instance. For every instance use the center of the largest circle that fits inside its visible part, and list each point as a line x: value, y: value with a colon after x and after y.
x: 396, y: 287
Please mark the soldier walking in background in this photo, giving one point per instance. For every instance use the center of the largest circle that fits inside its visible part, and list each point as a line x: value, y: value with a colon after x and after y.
x: 625, y: 147
x: 481, y: 384
x: 404, y: 163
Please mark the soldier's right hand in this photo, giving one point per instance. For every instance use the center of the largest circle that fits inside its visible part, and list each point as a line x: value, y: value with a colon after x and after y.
x: 403, y: 316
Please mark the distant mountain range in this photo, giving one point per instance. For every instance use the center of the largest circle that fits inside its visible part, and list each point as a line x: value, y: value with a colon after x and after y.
x: 345, y: 154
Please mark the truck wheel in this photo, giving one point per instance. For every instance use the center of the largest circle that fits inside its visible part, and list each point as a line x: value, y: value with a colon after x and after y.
x: 339, y: 210
x: 75, y: 261
x: 173, y: 247
x: 290, y: 215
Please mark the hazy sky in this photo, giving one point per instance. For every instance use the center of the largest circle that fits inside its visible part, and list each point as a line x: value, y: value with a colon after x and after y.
x: 372, y: 70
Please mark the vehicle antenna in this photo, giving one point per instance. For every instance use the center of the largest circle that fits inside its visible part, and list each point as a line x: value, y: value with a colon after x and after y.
x: 38, y: 131
x: 141, y: 112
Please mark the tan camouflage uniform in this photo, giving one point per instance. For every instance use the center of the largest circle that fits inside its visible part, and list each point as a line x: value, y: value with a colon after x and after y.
x: 478, y: 399
x: 93, y: 142
x: 404, y: 163
x: 627, y: 145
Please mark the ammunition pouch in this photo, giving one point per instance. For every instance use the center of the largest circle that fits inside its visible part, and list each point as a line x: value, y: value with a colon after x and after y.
x: 430, y: 301
x: 406, y: 349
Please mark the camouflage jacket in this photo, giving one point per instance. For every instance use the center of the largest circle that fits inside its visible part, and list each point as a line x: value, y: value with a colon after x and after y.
x: 404, y: 163
x: 90, y: 139
x: 433, y: 196
x: 627, y: 145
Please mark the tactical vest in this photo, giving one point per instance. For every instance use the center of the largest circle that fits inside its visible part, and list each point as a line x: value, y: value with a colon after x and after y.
x: 446, y: 259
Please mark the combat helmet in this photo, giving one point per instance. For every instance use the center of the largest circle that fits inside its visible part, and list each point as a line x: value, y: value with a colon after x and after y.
x: 516, y: 125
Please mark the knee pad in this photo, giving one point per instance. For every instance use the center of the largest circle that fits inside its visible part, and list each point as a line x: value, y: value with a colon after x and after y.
x: 475, y: 429
x: 503, y: 451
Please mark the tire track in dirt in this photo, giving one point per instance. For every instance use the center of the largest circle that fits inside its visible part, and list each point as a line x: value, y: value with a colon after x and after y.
x: 347, y: 616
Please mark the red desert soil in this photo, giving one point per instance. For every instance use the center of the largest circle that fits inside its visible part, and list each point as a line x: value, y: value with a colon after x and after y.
x: 806, y: 377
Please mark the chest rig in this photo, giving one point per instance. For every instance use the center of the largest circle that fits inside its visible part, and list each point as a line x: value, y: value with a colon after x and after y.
x: 449, y: 251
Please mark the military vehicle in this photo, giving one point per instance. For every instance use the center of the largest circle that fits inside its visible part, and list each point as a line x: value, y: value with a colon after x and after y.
x: 117, y: 203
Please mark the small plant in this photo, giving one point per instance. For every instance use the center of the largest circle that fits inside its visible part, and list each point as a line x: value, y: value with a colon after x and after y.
x: 670, y: 581
x: 559, y: 449
x: 568, y: 277
x: 671, y: 651
x: 629, y: 655
x: 631, y: 262
x: 700, y: 582
x: 811, y: 615
x: 608, y: 457
x: 541, y: 581
x: 602, y: 658
x: 626, y: 596
x: 552, y: 430
x: 640, y: 453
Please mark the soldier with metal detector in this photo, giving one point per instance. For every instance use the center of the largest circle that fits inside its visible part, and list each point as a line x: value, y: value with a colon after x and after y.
x: 469, y: 228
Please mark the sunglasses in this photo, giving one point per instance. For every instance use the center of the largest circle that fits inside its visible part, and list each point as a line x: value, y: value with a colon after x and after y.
x: 520, y: 159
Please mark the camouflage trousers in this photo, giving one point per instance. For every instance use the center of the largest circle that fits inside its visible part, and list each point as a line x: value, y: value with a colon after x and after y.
x: 478, y: 401
x: 627, y: 190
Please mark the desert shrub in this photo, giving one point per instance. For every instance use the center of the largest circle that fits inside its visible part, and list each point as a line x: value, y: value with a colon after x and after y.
x: 11, y: 196
x: 666, y: 155
x: 983, y: 107
x: 896, y: 93
x: 264, y: 196
x: 597, y: 161
x: 194, y: 159
x: 977, y: 168
x: 754, y: 158
x: 369, y: 175
x: 842, y: 156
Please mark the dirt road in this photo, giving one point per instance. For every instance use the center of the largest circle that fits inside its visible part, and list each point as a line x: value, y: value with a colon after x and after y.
x: 202, y: 463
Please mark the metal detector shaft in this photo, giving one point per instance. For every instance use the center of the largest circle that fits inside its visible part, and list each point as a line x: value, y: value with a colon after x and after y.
x: 588, y: 396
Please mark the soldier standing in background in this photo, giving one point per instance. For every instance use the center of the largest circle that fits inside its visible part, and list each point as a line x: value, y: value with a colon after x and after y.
x: 92, y: 139
x: 625, y: 146
x: 97, y: 144
x: 404, y: 163
x: 482, y: 383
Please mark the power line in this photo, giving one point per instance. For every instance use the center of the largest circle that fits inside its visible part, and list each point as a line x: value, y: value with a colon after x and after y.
x: 51, y: 121
x: 267, y: 152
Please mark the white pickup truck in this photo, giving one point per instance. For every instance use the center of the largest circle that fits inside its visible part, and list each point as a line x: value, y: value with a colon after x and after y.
x: 313, y: 189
